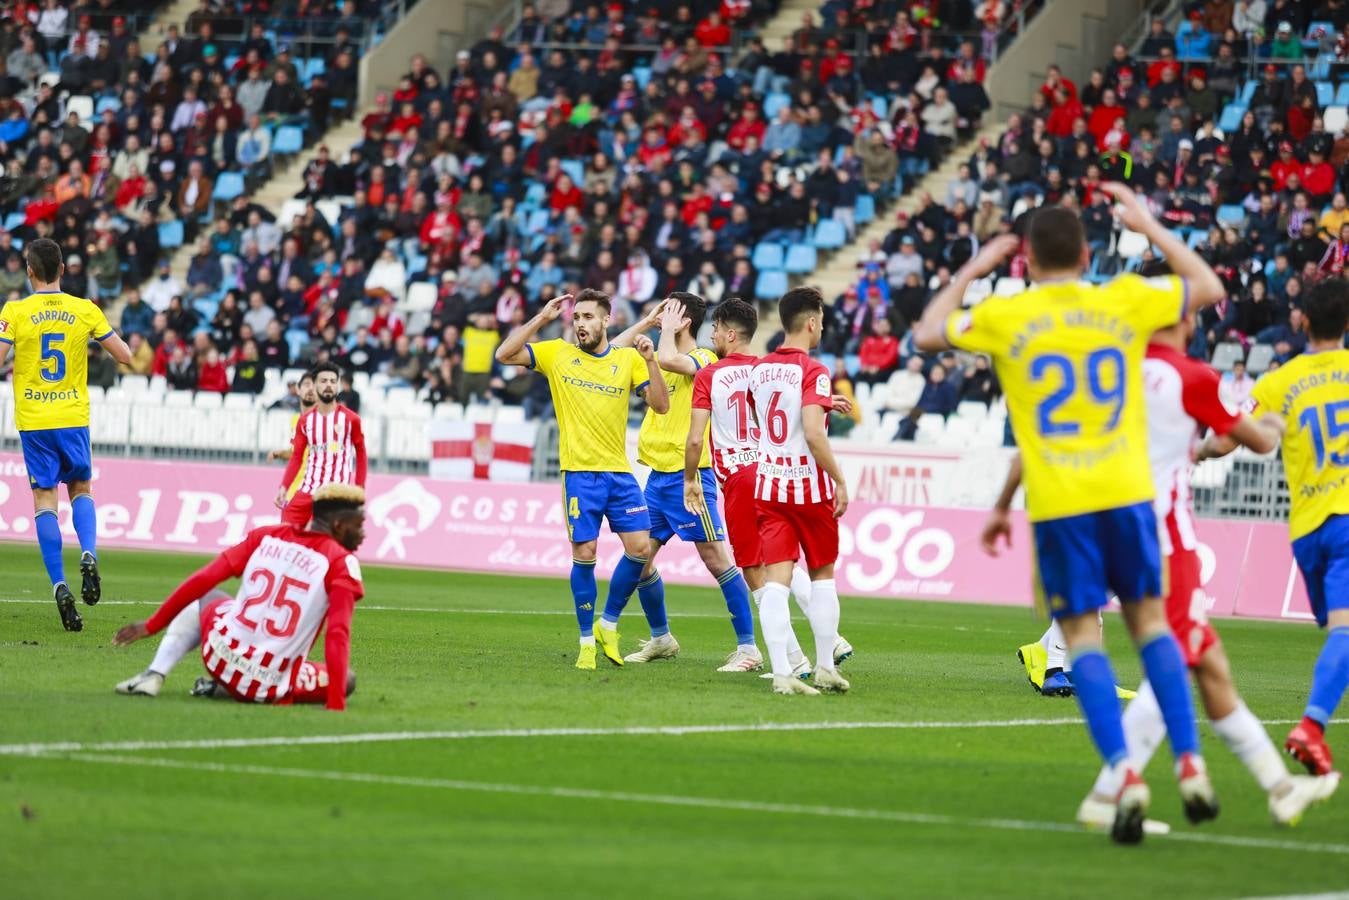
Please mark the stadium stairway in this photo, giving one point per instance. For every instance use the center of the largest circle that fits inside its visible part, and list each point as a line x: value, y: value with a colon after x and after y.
x: 786, y: 21
x: 841, y: 269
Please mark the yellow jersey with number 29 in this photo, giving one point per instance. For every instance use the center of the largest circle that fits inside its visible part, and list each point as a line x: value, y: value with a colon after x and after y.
x: 661, y: 442
x: 590, y: 395
x: 1069, y: 356
x: 1311, y: 394
x: 50, y: 332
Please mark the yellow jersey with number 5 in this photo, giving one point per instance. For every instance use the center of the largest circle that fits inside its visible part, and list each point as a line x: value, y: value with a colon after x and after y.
x: 50, y: 332
x: 1311, y: 394
x: 1069, y: 356
x: 590, y: 396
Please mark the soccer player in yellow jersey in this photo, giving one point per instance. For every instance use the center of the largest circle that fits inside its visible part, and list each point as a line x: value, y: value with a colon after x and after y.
x: 49, y: 332
x: 1069, y: 356
x: 661, y: 444
x: 591, y: 382
x: 1311, y: 394
x: 309, y: 398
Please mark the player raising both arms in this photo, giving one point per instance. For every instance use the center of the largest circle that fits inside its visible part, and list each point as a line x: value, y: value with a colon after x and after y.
x: 799, y: 490
x: 591, y: 382
x: 1311, y: 394
x: 328, y: 443
x: 49, y: 331
x: 1182, y: 401
x: 254, y: 645
x: 308, y: 399
x: 1069, y: 356
x: 660, y: 445
x: 721, y: 398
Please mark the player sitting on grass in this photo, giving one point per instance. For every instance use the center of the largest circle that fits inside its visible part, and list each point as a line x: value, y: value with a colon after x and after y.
x: 1311, y: 394
x: 721, y: 398
x: 591, y: 382
x: 1182, y: 400
x: 49, y: 331
x: 254, y: 645
x: 1069, y: 356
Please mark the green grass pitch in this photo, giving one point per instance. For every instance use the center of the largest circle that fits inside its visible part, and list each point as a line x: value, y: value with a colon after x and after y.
x: 956, y: 810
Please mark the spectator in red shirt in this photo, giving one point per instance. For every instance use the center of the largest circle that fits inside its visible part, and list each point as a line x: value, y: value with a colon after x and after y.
x: 655, y: 150
x: 698, y: 201
x: 1318, y: 178
x: 879, y: 354
x: 712, y: 31
x: 687, y: 124
x: 211, y: 374
x: 748, y: 124
x: 1104, y: 117
x: 1168, y: 61
x: 1284, y: 166
x: 1054, y: 82
x: 565, y: 194
x: 165, y: 350
x: 1066, y: 111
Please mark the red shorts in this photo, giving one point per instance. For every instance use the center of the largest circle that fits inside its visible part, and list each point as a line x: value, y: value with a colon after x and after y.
x: 299, y: 510
x: 311, y: 679
x: 786, y: 529
x: 1186, y: 606
x: 742, y: 517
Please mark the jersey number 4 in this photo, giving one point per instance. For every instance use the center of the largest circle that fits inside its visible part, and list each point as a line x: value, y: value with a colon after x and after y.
x: 1336, y: 424
x: 55, y: 356
x: 287, y: 611
x: 1104, y: 375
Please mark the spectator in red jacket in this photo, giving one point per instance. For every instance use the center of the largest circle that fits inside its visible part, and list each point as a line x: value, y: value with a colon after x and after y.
x: 655, y: 150
x: 1055, y: 82
x: 698, y: 201
x: 1066, y: 111
x: 879, y: 354
x: 1285, y: 165
x: 1168, y: 61
x: 1318, y: 178
x: 748, y: 124
x: 211, y: 374
x: 565, y: 194
x: 1104, y: 117
x: 712, y: 31
x: 170, y: 342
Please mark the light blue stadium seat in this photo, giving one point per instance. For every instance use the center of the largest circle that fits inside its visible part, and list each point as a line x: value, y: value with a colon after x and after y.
x: 289, y: 140
x: 107, y: 103
x: 852, y: 362
x: 14, y: 220
x: 774, y: 102
x: 767, y: 256
x: 1232, y: 214
x: 315, y: 66
x: 880, y: 107
x: 801, y: 259
x: 538, y: 222
x: 296, y: 341
x: 642, y: 74
x: 865, y: 211
x: 1328, y: 27
x: 1248, y: 91
x: 770, y: 285
x: 829, y: 234
x: 1342, y: 94
x: 171, y: 234
x: 576, y: 169
x: 1230, y: 121
x: 1196, y: 238
x: 535, y: 194
x: 228, y: 185
x: 1325, y: 93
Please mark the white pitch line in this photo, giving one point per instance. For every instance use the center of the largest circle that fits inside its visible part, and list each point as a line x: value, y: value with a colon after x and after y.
x: 752, y: 806
x: 381, y: 737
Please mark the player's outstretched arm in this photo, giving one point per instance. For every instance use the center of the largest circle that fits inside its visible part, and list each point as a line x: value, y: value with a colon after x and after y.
x: 194, y: 588
x: 814, y: 421
x: 1261, y: 434
x: 117, y: 347
x: 628, y: 337
x: 1205, y: 287
x: 657, y: 393
x: 930, y: 333
x: 999, y: 524
x: 511, y: 351
x: 694, y: 501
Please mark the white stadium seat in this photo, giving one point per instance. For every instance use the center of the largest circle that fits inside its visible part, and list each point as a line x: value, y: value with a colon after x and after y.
x: 451, y: 411
x: 238, y: 401
x: 978, y: 291
x: 511, y: 415
x: 178, y: 399
x: 275, y: 430
x: 479, y: 412
x: 421, y: 297
x: 1008, y: 287
x: 208, y: 400
x: 398, y: 399
x: 1131, y: 244
x: 407, y: 439
x: 110, y: 423
x: 972, y: 410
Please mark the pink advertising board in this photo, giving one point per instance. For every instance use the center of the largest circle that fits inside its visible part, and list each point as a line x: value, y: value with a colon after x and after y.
x: 887, y: 550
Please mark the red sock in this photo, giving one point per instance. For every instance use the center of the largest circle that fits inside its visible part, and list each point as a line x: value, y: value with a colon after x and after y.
x: 1316, y: 727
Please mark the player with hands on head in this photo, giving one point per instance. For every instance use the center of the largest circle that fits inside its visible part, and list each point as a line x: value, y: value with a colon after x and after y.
x: 1069, y: 355
x: 591, y: 382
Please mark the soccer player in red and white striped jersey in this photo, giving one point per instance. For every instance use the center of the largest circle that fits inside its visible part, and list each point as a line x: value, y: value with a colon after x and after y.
x: 800, y: 492
x: 721, y: 398
x: 332, y: 435
x: 255, y: 645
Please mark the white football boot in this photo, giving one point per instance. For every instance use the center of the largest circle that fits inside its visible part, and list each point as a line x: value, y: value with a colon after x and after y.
x: 1098, y: 814
x: 1304, y: 790
x: 146, y: 684
x: 830, y: 681
x: 790, y: 684
x: 663, y: 647
x: 842, y: 650
x: 742, y: 660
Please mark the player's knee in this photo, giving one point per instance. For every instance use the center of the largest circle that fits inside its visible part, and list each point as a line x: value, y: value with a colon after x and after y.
x: 351, y: 682
x: 713, y: 554
x: 583, y: 552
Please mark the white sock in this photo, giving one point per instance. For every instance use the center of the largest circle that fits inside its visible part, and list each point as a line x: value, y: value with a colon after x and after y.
x: 776, y: 620
x: 1144, y: 731
x: 794, y: 652
x: 824, y: 615
x: 1243, y: 734
x: 801, y: 590
x: 608, y: 624
x: 588, y: 640
x: 182, y: 635
x: 1056, y: 648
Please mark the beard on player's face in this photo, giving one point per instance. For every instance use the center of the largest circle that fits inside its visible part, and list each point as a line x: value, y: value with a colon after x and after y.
x: 588, y: 337
x: 327, y: 395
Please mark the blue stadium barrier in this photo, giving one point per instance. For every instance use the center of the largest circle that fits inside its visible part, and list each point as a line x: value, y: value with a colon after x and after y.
x: 829, y: 234
x: 171, y: 234
x: 767, y: 256
x: 801, y: 259
x: 770, y: 285
x: 865, y: 211
x: 289, y: 140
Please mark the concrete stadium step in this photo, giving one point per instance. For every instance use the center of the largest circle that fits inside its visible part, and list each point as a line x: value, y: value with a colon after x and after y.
x: 840, y: 270
x: 787, y: 20
x: 175, y: 13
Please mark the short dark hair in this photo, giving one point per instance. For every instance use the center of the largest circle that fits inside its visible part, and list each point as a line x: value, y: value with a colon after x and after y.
x: 695, y: 308
x: 1056, y: 238
x: 738, y: 314
x: 44, y: 258
x: 1326, y: 306
x: 590, y: 295
x: 320, y: 368
x: 798, y: 304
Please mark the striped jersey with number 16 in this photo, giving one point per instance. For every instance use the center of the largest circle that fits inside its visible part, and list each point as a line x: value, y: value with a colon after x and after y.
x: 781, y: 385
x: 723, y: 390
x: 335, y: 445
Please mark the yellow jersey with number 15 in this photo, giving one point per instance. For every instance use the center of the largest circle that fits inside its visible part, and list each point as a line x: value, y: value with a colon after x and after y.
x: 590, y: 395
x: 1311, y: 394
x: 661, y: 442
x: 50, y: 332
x: 1069, y: 356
